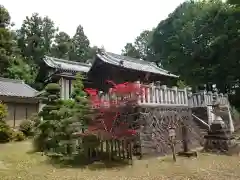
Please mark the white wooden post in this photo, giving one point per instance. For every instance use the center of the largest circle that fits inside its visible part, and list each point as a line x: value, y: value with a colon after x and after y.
x: 140, y: 96
x: 210, y: 98
x: 185, y: 96
x: 175, y: 95
x: 194, y: 98
x: 158, y: 91
x: 190, y: 100
x: 231, y: 125
x: 216, y: 97
x: 211, y: 116
x: 61, y: 82
x: 67, y: 89
x: 204, y: 98
x: 148, y: 93
x: 152, y: 93
x: 164, y: 88
x: 168, y: 96
x: 199, y: 99
x: 144, y: 95
x: 221, y: 99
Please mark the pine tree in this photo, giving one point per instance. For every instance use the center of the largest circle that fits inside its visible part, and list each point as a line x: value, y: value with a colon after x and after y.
x: 82, y: 109
x: 75, y: 115
x: 82, y: 117
x: 47, y: 136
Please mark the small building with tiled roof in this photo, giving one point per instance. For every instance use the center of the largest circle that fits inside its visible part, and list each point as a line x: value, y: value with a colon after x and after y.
x: 132, y: 64
x: 110, y: 66
x: 105, y: 66
x: 19, y: 98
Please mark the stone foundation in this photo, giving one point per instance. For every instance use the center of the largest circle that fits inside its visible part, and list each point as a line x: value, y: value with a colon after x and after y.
x: 154, y: 135
x: 220, y: 139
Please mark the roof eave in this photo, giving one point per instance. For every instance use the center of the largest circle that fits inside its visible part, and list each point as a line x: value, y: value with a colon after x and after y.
x: 22, y: 97
x: 160, y: 73
x: 46, y: 59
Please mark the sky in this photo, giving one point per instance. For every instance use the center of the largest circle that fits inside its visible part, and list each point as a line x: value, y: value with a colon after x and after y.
x: 107, y: 23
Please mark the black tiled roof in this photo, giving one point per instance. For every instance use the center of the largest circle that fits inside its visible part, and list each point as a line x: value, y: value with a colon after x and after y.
x: 66, y: 65
x: 110, y: 58
x: 17, y: 88
x: 132, y: 63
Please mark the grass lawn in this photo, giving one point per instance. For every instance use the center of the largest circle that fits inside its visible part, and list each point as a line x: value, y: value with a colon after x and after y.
x: 17, y: 163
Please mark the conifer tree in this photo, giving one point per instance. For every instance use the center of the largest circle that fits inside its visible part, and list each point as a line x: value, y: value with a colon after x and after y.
x: 75, y: 115
x: 82, y: 110
x: 46, y: 137
x: 82, y: 116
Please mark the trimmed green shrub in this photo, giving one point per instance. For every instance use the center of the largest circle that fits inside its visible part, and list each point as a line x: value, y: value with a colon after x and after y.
x: 3, y: 111
x: 26, y: 127
x: 36, y: 120
x: 46, y: 132
x: 39, y: 142
x: 6, y: 133
x: 19, y: 136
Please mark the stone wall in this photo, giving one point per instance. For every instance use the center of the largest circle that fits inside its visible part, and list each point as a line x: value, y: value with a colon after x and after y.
x: 154, y: 135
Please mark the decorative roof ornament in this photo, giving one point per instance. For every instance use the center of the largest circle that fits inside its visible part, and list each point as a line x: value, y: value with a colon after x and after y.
x: 147, y: 75
x: 121, y: 62
x: 99, y: 51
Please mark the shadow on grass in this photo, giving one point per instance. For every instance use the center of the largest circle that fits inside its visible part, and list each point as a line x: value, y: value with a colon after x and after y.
x: 32, y: 152
x: 80, y: 161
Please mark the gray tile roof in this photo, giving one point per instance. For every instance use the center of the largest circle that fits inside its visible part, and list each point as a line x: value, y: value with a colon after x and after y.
x: 132, y: 63
x: 17, y: 88
x: 66, y: 65
x: 111, y: 58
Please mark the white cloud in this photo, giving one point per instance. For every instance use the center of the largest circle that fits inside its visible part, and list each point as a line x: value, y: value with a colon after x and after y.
x: 111, y: 23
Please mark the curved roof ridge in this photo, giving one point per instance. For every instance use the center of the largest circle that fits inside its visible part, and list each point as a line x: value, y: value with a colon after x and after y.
x: 68, y: 61
x: 66, y: 65
x: 113, y: 58
x: 137, y: 61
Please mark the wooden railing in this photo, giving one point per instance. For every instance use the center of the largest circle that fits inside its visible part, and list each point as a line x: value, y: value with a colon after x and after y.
x: 202, y: 99
x: 162, y: 95
x: 156, y: 95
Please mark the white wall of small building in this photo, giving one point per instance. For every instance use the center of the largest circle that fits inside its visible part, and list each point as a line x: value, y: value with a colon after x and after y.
x: 66, y: 88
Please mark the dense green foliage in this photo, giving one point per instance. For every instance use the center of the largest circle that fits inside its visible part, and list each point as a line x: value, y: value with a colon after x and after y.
x: 82, y: 108
x: 75, y: 117
x: 6, y: 133
x: 199, y: 41
x: 61, y: 120
x: 21, y: 51
x: 26, y: 126
x: 46, y: 136
x: 19, y: 136
x: 3, y: 111
x: 83, y: 114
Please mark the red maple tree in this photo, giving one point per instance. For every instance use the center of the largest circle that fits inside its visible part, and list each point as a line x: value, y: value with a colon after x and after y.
x: 107, y: 121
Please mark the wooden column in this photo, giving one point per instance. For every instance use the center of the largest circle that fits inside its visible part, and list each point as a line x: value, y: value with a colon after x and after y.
x: 66, y: 89
x: 62, y: 91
